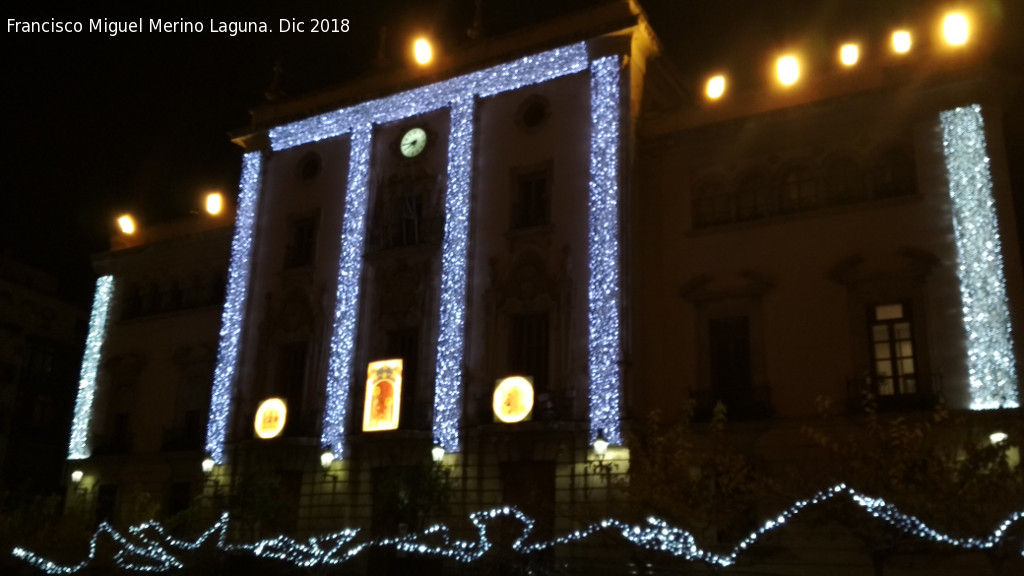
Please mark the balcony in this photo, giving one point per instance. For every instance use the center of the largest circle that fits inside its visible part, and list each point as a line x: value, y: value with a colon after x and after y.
x: 888, y: 395
x: 406, y: 232
x: 742, y: 404
x: 183, y: 439
x: 112, y: 444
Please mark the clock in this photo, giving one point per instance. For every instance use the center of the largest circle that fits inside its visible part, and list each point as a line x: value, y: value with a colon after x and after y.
x: 413, y: 142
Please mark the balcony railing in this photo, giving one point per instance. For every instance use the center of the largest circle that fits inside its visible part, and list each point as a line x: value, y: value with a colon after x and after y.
x: 885, y: 395
x: 112, y: 444
x: 182, y: 439
x: 406, y: 232
x: 741, y: 404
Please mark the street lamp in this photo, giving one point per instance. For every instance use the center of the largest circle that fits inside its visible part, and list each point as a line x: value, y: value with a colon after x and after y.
x: 600, y: 445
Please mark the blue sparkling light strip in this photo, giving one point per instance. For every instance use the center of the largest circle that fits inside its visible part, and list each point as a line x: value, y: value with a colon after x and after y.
x: 525, y: 71
x: 233, y: 314
x: 149, y: 548
x: 79, y: 447
x: 604, y: 290
x: 990, y: 358
x: 346, y: 308
x: 454, y: 257
x: 458, y: 93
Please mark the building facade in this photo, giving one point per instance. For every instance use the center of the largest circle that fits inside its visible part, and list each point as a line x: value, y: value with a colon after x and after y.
x: 548, y: 208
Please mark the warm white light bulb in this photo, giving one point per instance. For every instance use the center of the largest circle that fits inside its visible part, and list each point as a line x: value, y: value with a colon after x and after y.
x: 901, y: 41
x: 214, y: 203
x: 422, y: 51
x: 955, y: 29
x: 849, y: 54
x: 126, y: 223
x: 715, y: 87
x: 788, y: 70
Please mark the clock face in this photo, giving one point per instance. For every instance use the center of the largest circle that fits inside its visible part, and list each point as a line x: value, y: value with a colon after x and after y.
x: 413, y: 142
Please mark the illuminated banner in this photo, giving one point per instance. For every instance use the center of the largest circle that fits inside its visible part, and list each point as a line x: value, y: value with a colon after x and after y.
x: 270, y: 418
x: 513, y: 399
x: 383, y: 395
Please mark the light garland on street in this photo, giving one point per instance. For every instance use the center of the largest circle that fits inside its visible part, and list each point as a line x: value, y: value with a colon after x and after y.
x: 148, y: 547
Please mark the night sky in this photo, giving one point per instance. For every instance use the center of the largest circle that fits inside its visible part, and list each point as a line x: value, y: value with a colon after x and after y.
x: 97, y: 125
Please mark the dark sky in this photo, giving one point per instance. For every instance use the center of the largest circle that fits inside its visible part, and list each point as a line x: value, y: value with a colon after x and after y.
x: 96, y: 125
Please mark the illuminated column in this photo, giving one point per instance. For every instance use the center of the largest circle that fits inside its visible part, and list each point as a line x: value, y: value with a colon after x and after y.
x: 79, y: 447
x: 346, y: 308
x: 604, y: 293
x: 990, y: 358
x: 234, y: 307
x: 448, y: 387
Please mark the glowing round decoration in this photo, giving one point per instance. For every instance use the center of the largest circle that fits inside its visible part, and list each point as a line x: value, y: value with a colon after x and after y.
x: 126, y: 223
x: 901, y: 41
x: 214, y: 203
x: 788, y: 70
x: 849, y: 54
x: 513, y: 399
x: 955, y: 29
x: 715, y: 87
x: 422, y: 51
x: 270, y: 418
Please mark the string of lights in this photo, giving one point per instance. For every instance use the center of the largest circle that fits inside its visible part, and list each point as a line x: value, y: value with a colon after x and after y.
x: 234, y: 306
x: 448, y: 387
x: 350, y: 267
x: 990, y: 358
x: 603, y: 289
x: 79, y: 447
x: 148, y: 547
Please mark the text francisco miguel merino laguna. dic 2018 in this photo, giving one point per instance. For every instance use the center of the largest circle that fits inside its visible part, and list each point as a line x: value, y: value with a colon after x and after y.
x: 160, y: 25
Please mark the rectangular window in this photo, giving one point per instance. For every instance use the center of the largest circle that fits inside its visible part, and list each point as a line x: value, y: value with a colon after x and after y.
x: 404, y: 343
x: 179, y: 497
x: 530, y: 207
x: 892, y: 350
x: 106, y: 502
x: 529, y: 351
x: 291, y: 383
x: 729, y: 343
x: 301, y: 242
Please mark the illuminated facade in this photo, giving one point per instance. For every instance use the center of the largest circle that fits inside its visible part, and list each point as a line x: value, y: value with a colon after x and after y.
x: 553, y: 214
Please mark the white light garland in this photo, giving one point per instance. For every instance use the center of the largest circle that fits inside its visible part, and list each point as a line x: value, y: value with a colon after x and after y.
x: 990, y: 358
x: 603, y: 289
x: 452, y: 320
x: 148, y: 548
x: 78, y: 447
x: 234, y: 307
x: 332, y: 436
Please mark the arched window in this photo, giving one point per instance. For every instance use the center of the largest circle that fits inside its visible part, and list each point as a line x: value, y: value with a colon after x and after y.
x: 799, y: 189
x: 893, y: 174
x: 712, y: 205
x: 754, y: 199
x: 844, y: 181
